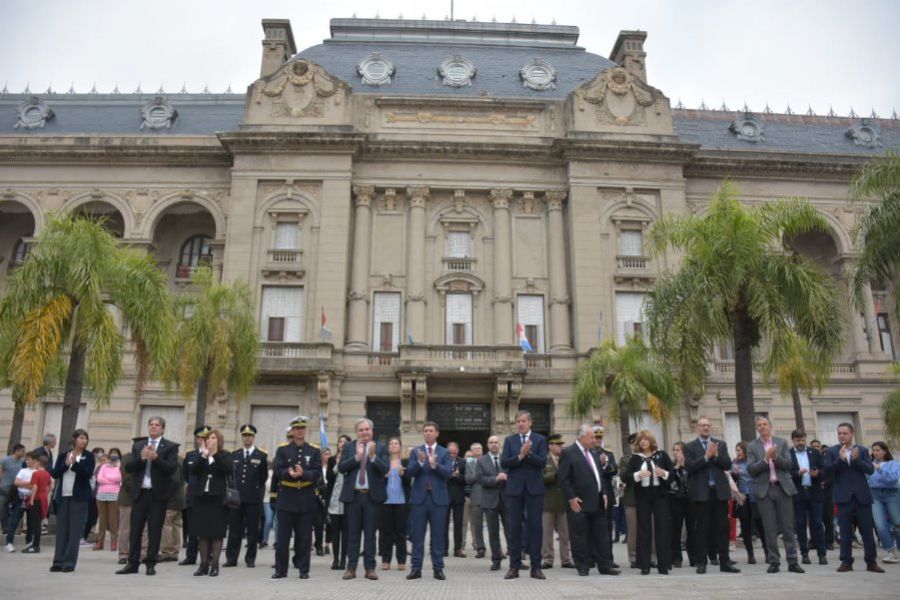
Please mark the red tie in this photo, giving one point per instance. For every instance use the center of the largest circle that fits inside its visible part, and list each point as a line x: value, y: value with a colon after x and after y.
x: 362, y: 466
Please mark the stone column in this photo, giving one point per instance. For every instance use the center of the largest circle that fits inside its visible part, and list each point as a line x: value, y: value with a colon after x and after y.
x: 871, y: 323
x: 415, y: 274
x: 359, y: 280
x: 503, y: 308
x: 559, y: 285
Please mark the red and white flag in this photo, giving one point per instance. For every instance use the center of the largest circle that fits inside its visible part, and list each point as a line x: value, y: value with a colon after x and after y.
x: 325, y: 332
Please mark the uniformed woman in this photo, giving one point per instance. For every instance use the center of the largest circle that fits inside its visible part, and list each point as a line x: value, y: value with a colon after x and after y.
x: 210, y: 515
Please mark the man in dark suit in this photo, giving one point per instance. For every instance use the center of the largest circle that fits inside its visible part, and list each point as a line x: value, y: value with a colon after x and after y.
x: 153, y: 463
x: 850, y: 463
x: 585, y: 489
x: 190, y: 481
x: 251, y: 469
x: 429, y: 468
x: 364, y: 464
x: 525, y: 456
x: 492, y: 477
x: 298, y: 468
x: 706, y: 462
x: 607, y: 460
x: 806, y: 468
x: 827, y: 481
x: 456, y: 488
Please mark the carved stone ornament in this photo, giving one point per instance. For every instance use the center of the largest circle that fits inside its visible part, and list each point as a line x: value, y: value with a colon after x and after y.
x: 748, y: 128
x: 866, y: 133
x: 375, y: 70
x: 309, y: 85
x: 457, y: 71
x: 33, y: 114
x: 537, y: 74
x: 158, y: 114
x: 620, y: 92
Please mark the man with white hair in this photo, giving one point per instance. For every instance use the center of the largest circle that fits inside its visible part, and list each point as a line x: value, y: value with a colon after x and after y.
x: 476, y: 520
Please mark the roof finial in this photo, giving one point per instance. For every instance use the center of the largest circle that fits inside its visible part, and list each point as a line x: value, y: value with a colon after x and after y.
x: 494, y: 19
x: 228, y: 89
x: 353, y: 16
x: 853, y: 113
x: 767, y: 110
x: 703, y: 105
x: 873, y: 115
x: 679, y: 105
x: 160, y: 90
x: 93, y: 88
x: 893, y: 114
x: 474, y: 18
x: 138, y: 90
x: 116, y: 89
x: 424, y: 17
x: 788, y: 110
x: 183, y: 89
x: 50, y: 89
x: 27, y: 89
x: 533, y: 22
x: 553, y: 22
x: 724, y: 108
x: 5, y: 89
x: 810, y: 111
x: 377, y: 16
x: 831, y: 112
x: 513, y: 19
x: 746, y: 108
x: 205, y: 88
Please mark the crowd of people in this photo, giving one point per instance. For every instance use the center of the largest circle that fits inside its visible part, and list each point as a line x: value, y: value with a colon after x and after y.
x: 372, y: 500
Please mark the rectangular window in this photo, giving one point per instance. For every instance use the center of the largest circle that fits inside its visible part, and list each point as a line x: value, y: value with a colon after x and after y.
x: 287, y: 236
x: 386, y: 321
x: 629, y: 315
x: 884, y: 334
x: 725, y: 349
x: 459, y: 244
x: 530, y: 309
x: 458, y: 320
x: 631, y: 243
x: 282, y: 313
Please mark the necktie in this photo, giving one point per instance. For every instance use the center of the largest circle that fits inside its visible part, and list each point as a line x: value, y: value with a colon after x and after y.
x: 428, y: 473
x: 712, y: 482
x: 149, y: 462
x: 496, y: 463
x: 362, y: 466
x: 246, y: 455
x: 523, y: 440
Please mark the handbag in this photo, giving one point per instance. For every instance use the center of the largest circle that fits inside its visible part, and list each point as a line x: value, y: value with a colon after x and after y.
x: 232, y: 498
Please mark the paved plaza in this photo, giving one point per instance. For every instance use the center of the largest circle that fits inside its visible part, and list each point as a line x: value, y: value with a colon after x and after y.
x: 27, y: 575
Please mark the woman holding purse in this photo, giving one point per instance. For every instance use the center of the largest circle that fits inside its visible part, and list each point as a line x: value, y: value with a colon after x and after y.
x: 210, y: 514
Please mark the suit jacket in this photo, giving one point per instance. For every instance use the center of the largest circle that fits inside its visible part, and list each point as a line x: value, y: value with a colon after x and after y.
x: 423, y: 474
x: 83, y: 469
x: 493, y: 492
x: 608, y: 472
x: 188, y: 477
x: 162, y: 470
x: 636, y: 463
x: 476, y: 489
x: 297, y: 494
x: 215, y: 473
x: 815, y: 464
x: 758, y: 468
x: 250, y: 475
x: 376, y: 469
x: 526, y: 475
x: 576, y: 479
x: 699, y: 470
x: 554, y: 501
x: 456, y: 485
x: 849, y: 480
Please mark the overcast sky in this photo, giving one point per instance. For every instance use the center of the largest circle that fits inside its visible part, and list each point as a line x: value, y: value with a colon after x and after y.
x: 816, y: 53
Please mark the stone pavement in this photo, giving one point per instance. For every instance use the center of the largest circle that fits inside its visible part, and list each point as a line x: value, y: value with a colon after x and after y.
x: 23, y: 575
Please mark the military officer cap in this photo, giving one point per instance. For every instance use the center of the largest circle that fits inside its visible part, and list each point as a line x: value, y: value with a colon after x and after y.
x: 287, y: 433
x: 556, y: 438
x: 202, y: 431
x: 248, y: 430
x: 598, y: 431
x: 298, y: 422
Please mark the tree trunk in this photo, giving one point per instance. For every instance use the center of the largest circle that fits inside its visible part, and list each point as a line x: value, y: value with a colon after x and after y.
x: 798, y: 408
x: 15, y: 430
x: 743, y: 373
x: 72, y: 396
x: 202, y: 391
x: 624, y: 431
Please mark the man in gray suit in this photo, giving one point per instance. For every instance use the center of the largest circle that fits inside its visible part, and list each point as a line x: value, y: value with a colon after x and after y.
x: 492, y: 478
x: 476, y: 520
x: 769, y: 464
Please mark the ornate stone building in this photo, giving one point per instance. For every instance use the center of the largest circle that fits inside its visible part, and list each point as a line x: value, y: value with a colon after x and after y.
x: 428, y: 187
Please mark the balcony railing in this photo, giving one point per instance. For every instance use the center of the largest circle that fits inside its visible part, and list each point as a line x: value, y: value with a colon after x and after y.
x: 285, y: 257
x: 632, y: 263
x: 383, y: 359
x: 461, y: 359
x: 838, y: 369
x: 538, y: 361
x: 295, y: 356
x: 465, y: 264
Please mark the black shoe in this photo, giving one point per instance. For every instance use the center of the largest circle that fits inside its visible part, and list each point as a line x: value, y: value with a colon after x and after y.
x: 701, y: 569
x: 263, y: 545
x: 663, y: 571
x: 773, y: 568
x: 823, y: 560
x: 537, y: 574
x: 677, y: 564
x: 479, y: 554
x: 806, y: 560
x: 547, y: 565
x: 751, y: 560
x: 633, y: 565
x: 439, y: 574
x: 795, y: 568
x: 70, y: 569
x: 513, y: 573
x: 569, y: 565
x: 731, y: 563
x: 320, y: 552
x: 645, y: 571
x: 251, y: 564
x: 128, y: 570
x: 609, y: 572
x: 459, y: 554
x: 614, y: 565
x: 151, y: 570
x: 230, y: 563
x: 278, y: 576
x: 714, y: 562
x: 729, y: 569
x: 335, y: 566
x: 870, y: 567
x: 616, y: 539
x: 214, y: 571
x: 584, y: 572
x: 304, y: 575
x: 55, y: 569
x: 446, y: 553
x: 495, y: 565
x: 415, y: 574
x: 187, y: 562
x: 123, y: 561
x: 203, y: 570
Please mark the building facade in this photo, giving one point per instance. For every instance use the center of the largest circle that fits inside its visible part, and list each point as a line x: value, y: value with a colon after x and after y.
x: 405, y: 196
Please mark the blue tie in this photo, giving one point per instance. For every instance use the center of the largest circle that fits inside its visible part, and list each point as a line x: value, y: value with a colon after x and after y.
x: 712, y: 481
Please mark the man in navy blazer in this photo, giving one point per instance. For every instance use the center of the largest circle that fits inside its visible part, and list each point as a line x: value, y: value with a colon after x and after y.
x: 429, y: 467
x: 524, y: 457
x: 365, y: 487
x: 806, y: 470
x: 850, y: 464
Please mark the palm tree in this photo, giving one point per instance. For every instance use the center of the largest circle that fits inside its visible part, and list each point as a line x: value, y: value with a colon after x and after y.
x: 803, y: 369
x: 878, y: 231
x: 56, y: 309
x: 218, y: 341
x: 736, y: 281
x: 630, y: 378
x: 890, y: 410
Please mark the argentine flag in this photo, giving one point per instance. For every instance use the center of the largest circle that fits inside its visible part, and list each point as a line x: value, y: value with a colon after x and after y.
x: 323, y: 437
x: 523, y: 341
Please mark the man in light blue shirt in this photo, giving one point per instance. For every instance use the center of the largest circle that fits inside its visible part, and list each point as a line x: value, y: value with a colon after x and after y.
x: 806, y: 467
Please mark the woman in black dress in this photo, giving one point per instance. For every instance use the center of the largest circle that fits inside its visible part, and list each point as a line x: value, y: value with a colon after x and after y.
x: 648, y: 472
x: 679, y: 506
x: 210, y: 515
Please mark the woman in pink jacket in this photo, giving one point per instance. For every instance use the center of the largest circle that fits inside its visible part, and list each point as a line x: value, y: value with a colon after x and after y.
x: 109, y: 480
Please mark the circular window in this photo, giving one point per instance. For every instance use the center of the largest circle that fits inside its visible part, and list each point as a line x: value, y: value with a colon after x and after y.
x: 457, y: 71
x: 375, y: 70
x: 538, y: 74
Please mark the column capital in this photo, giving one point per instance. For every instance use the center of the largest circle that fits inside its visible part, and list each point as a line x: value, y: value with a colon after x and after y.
x: 500, y: 197
x: 555, y: 199
x: 418, y: 195
x: 363, y: 195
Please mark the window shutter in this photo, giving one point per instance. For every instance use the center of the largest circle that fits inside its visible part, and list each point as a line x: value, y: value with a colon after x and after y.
x: 284, y: 302
x: 386, y: 310
x: 631, y: 243
x: 530, y: 309
x: 459, y: 312
x: 629, y: 315
x: 459, y: 244
x: 287, y: 236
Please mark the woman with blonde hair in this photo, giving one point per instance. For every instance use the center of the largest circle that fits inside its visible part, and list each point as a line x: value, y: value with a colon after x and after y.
x: 648, y: 473
x: 210, y: 515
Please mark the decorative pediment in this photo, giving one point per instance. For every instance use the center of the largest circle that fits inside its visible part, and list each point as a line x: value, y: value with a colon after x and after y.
x: 865, y: 133
x: 459, y: 282
x: 33, y: 114
x: 749, y: 128
x: 158, y: 114
x: 300, y: 89
x: 620, y: 97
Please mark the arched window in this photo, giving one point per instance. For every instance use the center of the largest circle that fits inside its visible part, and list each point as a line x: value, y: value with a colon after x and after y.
x: 20, y: 252
x: 195, y: 252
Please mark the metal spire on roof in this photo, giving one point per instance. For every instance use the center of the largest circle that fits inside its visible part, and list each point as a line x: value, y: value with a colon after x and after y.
x: 893, y: 114
x: 767, y: 110
x: 205, y: 88
x: 703, y: 105
x: 377, y: 16
x: 873, y: 115
x: 553, y: 22
x: 810, y: 111
x: 27, y: 89
x: 474, y: 18
x: 424, y: 17
x: 183, y: 89
x: 788, y: 110
x: 353, y: 15
x: 71, y: 88
x: 400, y: 16
x: 853, y: 113
x: 94, y: 88
x: 513, y: 19
x: 160, y: 90
x: 138, y: 90
x: 723, y: 108
x: 746, y: 108
x: 50, y: 89
x: 5, y: 89
x: 116, y: 89
x: 831, y: 112
x: 679, y: 105
x: 228, y: 89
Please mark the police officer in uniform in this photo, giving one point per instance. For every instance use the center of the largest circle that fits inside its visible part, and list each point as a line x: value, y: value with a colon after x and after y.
x: 251, y: 469
x: 298, y: 468
x: 190, y: 481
